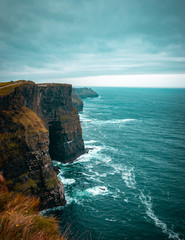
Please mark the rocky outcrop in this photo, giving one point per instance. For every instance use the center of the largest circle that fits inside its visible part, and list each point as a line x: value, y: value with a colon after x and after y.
x: 37, y: 123
x: 62, y: 120
x: 77, y: 102
x: 85, y: 92
x: 78, y: 93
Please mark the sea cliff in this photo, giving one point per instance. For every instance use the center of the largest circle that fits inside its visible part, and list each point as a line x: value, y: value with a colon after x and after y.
x: 85, y: 92
x: 80, y: 93
x: 37, y: 123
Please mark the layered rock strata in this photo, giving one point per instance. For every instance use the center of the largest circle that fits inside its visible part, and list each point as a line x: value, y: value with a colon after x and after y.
x: 37, y: 123
x: 77, y: 102
x: 78, y: 93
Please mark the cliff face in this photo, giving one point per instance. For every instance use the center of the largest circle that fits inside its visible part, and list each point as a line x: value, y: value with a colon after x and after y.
x: 78, y: 93
x: 85, y: 92
x: 62, y: 120
x: 77, y: 102
x: 36, y: 122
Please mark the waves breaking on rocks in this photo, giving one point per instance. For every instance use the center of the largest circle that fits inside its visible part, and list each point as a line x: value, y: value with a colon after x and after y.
x: 125, y: 182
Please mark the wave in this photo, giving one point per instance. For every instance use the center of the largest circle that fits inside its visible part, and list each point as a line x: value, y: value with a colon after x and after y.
x: 129, y: 177
x: 98, y: 190
x: 84, y: 118
x: 80, y: 196
x: 56, y: 163
x: 158, y: 223
x: 66, y: 181
x: 100, y: 175
x: 90, y: 141
x: 111, y: 219
x: 106, y: 159
x: 95, y: 179
x: 117, y: 167
x: 114, y: 121
x: 86, y: 157
x: 104, y: 122
x: 127, y: 174
x: 95, y: 176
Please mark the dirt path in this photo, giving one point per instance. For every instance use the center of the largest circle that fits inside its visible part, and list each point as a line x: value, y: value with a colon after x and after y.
x: 12, y: 84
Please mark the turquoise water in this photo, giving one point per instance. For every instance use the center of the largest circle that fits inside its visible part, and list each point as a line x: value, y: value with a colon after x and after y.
x: 131, y: 184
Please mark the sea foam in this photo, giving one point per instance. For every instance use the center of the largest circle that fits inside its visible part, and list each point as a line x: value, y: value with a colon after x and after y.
x: 146, y: 201
x: 66, y: 181
x: 114, y: 121
x: 98, y: 190
x: 90, y: 142
x: 129, y: 177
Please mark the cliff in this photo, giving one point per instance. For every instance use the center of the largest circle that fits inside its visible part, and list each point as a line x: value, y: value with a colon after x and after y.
x: 77, y: 102
x: 37, y: 123
x: 20, y: 218
x: 78, y: 93
x: 85, y: 92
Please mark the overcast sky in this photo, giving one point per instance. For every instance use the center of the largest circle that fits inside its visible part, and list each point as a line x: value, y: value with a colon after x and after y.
x: 94, y: 42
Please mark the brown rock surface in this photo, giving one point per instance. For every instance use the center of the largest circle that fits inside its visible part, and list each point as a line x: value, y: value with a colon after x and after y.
x: 36, y: 122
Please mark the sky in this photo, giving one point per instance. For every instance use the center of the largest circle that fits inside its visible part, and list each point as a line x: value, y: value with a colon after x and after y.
x: 94, y: 42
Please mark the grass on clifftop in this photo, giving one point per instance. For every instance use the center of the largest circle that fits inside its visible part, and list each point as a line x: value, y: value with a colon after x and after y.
x: 20, y: 219
x: 8, y: 87
x: 30, y: 120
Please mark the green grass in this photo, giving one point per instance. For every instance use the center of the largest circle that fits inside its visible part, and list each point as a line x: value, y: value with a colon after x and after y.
x: 8, y: 87
x: 31, y: 125
x: 30, y: 121
x: 3, y: 84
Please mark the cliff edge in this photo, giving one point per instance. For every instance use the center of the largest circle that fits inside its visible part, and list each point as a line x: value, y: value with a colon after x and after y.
x: 37, y: 123
x: 78, y: 93
x: 85, y: 92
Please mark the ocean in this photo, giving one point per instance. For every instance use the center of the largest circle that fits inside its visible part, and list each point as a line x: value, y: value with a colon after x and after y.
x: 131, y: 183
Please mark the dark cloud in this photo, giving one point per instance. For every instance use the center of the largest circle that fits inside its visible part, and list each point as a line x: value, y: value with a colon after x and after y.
x: 68, y: 38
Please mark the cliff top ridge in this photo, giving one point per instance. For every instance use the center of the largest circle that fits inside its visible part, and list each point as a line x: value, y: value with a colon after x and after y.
x: 8, y: 87
x: 53, y: 84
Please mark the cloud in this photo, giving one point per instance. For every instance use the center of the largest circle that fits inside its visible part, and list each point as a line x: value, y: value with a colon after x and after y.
x: 68, y: 38
x: 147, y: 80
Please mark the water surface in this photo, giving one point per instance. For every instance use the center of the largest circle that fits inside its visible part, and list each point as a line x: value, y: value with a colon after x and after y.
x: 131, y: 184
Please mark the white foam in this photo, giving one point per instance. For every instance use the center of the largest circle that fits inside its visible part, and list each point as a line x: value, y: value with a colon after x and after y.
x: 158, y: 223
x: 85, y: 174
x: 46, y: 211
x: 66, y: 181
x: 69, y: 200
x: 100, y: 175
x: 128, y: 174
x: 120, y: 121
x: 90, y: 141
x: 129, y: 177
x: 84, y: 118
x: 114, y: 121
x: 89, y: 166
x: 117, y: 167
x: 110, y: 149
x: 93, y: 152
x: 106, y: 159
x: 111, y: 219
x: 56, y: 163
x: 98, y: 190
x: 94, y: 178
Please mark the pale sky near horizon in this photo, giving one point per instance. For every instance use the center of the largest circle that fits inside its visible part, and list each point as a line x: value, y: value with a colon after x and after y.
x: 94, y: 43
